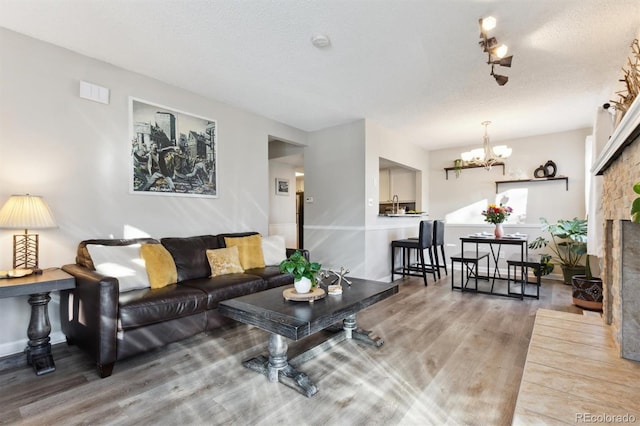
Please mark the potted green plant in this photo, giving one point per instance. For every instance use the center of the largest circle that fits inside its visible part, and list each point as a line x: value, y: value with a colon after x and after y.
x: 635, y: 206
x: 303, y: 271
x: 568, y: 244
x: 546, y: 265
x: 587, y: 289
x: 457, y: 165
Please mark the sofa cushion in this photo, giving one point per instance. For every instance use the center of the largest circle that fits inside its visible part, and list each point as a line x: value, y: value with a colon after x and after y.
x: 190, y: 255
x: 161, y: 269
x: 221, y: 237
x: 274, y: 250
x: 83, y: 258
x: 224, y: 261
x: 250, y: 249
x: 272, y: 275
x: 142, y: 307
x: 226, y: 287
x: 121, y: 262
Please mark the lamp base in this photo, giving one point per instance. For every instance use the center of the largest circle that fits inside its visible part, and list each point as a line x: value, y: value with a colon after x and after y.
x: 25, y: 251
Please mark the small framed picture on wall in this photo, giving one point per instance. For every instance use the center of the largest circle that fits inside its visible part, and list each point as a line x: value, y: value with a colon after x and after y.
x: 282, y: 186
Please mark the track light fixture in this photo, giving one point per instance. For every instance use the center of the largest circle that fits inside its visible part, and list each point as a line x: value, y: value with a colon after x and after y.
x: 500, y: 79
x: 495, y: 51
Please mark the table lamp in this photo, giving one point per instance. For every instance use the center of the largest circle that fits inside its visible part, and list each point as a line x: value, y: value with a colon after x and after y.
x: 26, y: 212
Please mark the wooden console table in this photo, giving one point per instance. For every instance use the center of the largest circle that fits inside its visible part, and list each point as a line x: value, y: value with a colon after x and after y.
x: 38, y: 287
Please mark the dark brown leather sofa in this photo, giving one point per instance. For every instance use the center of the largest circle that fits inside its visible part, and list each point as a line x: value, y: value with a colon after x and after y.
x: 112, y: 326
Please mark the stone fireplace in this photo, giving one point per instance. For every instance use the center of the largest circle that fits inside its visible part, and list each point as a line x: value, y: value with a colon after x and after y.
x: 619, y: 165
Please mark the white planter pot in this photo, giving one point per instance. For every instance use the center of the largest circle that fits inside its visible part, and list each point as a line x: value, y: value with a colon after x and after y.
x: 303, y: 286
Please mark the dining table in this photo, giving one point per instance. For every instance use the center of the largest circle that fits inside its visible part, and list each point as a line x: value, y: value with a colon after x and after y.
x: 495, y: 280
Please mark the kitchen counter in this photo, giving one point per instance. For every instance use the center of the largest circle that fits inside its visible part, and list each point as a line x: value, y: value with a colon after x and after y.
x: 404, y: 215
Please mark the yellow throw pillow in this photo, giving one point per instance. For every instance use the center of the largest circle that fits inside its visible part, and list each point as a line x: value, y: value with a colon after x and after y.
x: 224, y: 261
x: 250, y: 250
x: 160, y: 266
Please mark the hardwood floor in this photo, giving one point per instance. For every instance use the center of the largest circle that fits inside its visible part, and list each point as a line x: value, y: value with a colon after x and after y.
x: 448, y: 358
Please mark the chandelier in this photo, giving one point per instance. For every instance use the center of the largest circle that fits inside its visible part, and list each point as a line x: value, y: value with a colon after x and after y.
x: 486, y: 156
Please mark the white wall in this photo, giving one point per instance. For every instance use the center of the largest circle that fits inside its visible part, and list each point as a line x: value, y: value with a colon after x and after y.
x: 548, y: 199
x: 75, y: 153
x: 382, y: 142
x: 334, y: 177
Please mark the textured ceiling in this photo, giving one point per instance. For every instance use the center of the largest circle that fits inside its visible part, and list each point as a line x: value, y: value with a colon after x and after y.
x: 414, y: 67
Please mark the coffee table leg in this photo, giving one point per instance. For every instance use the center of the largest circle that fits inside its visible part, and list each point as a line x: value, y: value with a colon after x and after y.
x: 277, y: 368
x: 277, y: 356
x: 352, y: 332
x: 349, y: 326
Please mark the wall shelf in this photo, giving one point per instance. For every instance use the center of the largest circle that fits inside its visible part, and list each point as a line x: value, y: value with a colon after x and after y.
x: 472, y: 166
x: 564, y: 178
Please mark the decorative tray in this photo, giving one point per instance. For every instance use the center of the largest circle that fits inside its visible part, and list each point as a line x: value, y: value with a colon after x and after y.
x: 15, y: 273
x: 315, y: 294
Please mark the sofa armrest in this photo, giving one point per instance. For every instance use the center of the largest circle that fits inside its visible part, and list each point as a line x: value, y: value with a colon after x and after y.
x: 89, y: 313
x: 304, y: 252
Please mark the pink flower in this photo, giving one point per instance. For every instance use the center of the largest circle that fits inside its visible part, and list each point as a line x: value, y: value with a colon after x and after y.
x: 496, y: 214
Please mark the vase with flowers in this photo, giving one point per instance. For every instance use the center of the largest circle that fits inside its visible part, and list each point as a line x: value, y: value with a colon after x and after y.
x: 497, y: 214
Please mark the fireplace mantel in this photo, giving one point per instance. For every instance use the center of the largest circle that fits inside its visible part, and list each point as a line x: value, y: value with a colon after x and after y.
x: 626, y: 132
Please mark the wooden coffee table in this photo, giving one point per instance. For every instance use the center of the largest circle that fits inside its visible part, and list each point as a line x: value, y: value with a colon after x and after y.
x: 295, y: 320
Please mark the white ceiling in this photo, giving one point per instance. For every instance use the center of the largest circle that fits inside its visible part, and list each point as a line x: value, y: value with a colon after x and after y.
x: 411, y: 66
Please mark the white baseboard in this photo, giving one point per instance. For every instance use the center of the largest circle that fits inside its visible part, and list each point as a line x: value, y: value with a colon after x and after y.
x: 18, y: 346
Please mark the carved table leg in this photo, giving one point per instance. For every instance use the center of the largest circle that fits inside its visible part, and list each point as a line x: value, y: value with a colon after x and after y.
x: 277, y: 368
x: 352, y: 332
x: 277, y: 356
x: 38, y: 348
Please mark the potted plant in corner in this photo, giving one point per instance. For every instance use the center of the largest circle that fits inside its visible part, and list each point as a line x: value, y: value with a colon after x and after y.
x: 587, y: 289
x: 568, y: 244
x: 303, y: 271
x: 635, y: 206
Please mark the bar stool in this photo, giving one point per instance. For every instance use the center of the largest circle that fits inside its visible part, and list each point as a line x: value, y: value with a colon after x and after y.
x: 422, y: 243
x: 438, y: 241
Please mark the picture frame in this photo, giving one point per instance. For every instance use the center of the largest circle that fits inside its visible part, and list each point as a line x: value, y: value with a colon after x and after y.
x: 282, y: 186
x: 173, y: 153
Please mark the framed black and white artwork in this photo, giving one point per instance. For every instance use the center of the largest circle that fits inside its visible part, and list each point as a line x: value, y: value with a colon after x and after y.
x: 172, y: 152
x: 282, y: 186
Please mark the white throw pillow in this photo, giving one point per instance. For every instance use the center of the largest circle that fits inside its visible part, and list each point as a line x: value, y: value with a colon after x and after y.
x: 274, y: 250
x: 121, y: 262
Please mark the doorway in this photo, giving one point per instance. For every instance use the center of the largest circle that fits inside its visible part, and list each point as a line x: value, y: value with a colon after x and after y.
x: 300, y: 218
x: 286, y: 210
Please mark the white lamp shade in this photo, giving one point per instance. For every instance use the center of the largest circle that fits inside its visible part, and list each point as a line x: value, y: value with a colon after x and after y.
x: 502, y: 151
x: 466, y: 156
x: 478, y: 154
x: 26, y: 212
